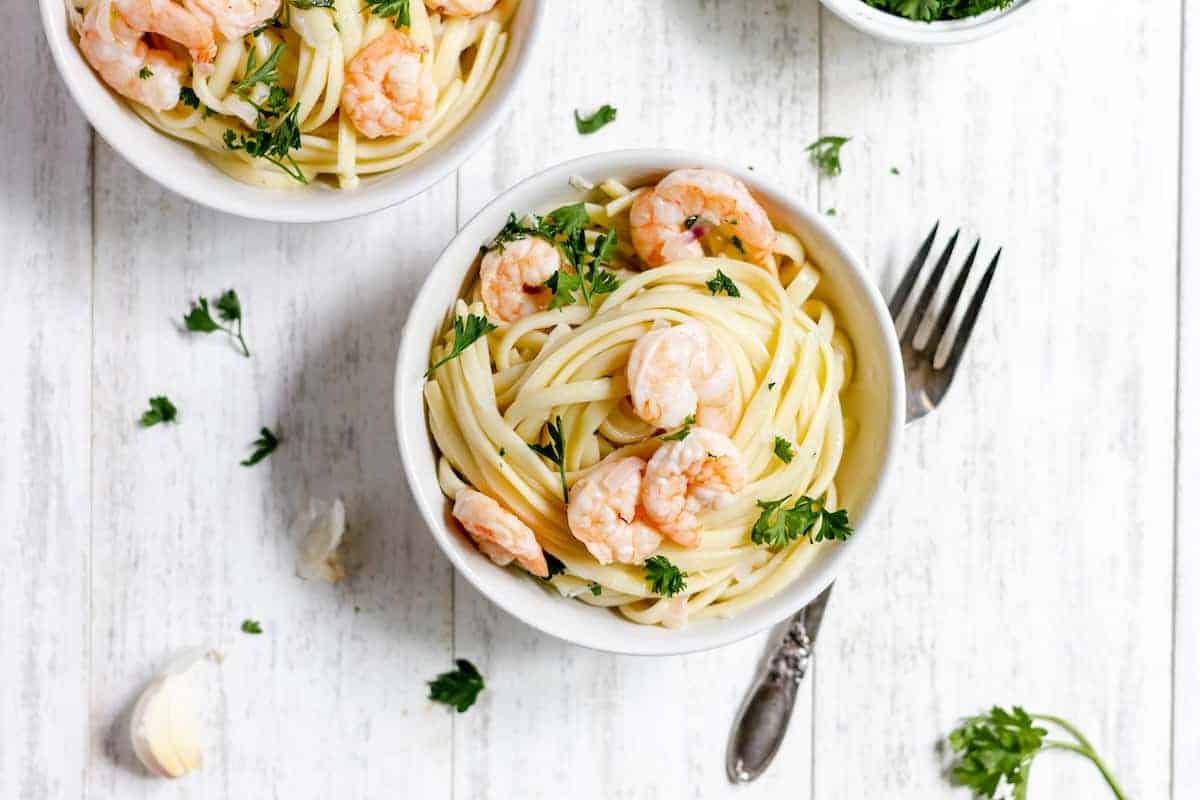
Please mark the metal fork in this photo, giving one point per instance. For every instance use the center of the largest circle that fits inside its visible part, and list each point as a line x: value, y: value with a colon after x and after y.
x: 760, y: 725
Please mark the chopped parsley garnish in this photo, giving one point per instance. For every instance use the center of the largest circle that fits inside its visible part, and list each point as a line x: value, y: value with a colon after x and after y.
x: 188, y: 97
x: 831, y: 212
x: 777, y: 526
x: 895, y: 171
x: 555, y: 451
x: 682, y: 433
x: 467, y: 330
x: 459, y: 687
x: 229, y: 309
x: 737, y: 243
x: 251, y: 626
x: 161, y: 410
x: 502, y: 452
x: 722, y: 283
x: 595, y: 589
x: 783, y: 449
x: 691, y: 221
x: 771, y: 386
x: 304, y: 5
x: 664, y: 578
x: 827, y: 154
x: 604, y: 115
x: 267, y: 72
x: 932, y: 10
x: 273, y: 144
x: 396, y: 10
x: 264, y: 445
x: 145, y: 73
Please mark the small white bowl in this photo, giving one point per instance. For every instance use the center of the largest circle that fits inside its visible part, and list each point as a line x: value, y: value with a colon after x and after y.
x: 181, y: 168
x: 868, y: 460
x: 892, y: 28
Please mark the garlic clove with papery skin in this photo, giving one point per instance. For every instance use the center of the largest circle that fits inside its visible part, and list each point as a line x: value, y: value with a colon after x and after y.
x: 320, y: 553
x: 164, y: 728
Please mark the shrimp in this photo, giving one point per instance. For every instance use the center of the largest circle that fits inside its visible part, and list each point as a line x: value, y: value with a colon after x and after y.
x: 498, y: 533
x: 461, y: 8
x: 126, y: 63
x: 688, y: 476
x: 233, y: 19
x: 602, y: 513
x: 682, y: 371
x: 666, y: 223
x: 512, y: 278
x: 175, y: 22
x: 388, y: 91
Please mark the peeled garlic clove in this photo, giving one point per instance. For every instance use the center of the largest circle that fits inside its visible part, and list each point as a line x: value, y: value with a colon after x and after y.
x: 323, y: 524
x: 163, y: 728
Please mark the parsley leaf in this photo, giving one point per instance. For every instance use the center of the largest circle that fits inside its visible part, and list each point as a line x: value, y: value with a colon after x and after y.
x: 264, y: 445
x: 691, y: 221
x: 459, y: 687
x: 682, y: 433
x: 267, y: 72
x: 664, y: 578
x: 304, y: 5
x: 251, y: 626
x: 187, y: 96
x: 722, y: 283
x: 145, y: 73
x: 777, y: 526
x: 555, y: 451
x: 554, y: 565
x: 272, y: 144
x: 827, y: 154
x: 604, y: 115
x: 783, y: 449
x: 997, y: 748
x: 595, y: 589
x: 229, y: 309
x: 399, y: 10
x: 161, y: 410
x: 512, y: 231
x: 831, y: 212
x: 467, y: 331
x: 931, y: 10
x: 737, y: 243
x: 564, y: 285
x: 895, y: 171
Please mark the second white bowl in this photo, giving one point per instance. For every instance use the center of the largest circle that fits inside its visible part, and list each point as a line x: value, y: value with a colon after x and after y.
x: 892, y: 28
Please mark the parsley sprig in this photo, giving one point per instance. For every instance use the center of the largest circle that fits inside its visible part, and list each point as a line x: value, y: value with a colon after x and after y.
x: 229, y: 309
x: 264, y: 445
x: 783, y: 450
x: 251, y: 626
x: 459, y: 687
x: 397, y: 10
x: 272, y: 144
x: 826, y: 153
x: 603, y: 115
x: 556, y: 452
x: 267, y: 72
x: 664, y: 578
x: 931, y: 10
x: 722, y: 283
x: 996, y: 749
x: 777, y: 526
x: 467, y: 330
x: 161, y: 410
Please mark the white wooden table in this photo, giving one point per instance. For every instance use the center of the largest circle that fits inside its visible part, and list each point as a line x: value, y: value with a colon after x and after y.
x: 1040, y: 546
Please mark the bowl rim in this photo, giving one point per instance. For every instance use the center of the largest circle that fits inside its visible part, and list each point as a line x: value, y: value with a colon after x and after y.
x: 901, y: 30
x: 322, y: 204
x: 412, y: 425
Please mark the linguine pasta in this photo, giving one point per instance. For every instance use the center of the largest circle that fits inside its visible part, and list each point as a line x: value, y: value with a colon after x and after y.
x: 490, y: 403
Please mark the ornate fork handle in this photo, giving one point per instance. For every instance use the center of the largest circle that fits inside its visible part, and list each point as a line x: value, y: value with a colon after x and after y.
x: 762, y: 721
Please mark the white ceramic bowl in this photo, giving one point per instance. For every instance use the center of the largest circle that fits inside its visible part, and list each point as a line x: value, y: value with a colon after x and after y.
x: 180, y: 167
x: 906, y: 31
x: 879, y: 410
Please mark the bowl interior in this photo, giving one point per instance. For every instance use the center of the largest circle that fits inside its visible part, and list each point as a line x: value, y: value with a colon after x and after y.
x: 180, y: 166
x: 874, y: 397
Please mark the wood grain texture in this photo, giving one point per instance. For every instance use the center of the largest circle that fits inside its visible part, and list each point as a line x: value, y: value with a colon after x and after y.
x: 45, y: 328
x: 1025, y: 557
x: 1186, y: 728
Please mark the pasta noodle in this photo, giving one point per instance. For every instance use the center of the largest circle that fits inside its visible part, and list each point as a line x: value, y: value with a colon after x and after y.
x: 461, y: 56
x: 490, y: 403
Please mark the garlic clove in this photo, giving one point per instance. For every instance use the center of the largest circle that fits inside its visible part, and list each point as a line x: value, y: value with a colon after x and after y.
x: 164, y: 728
x: 320, y: 553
